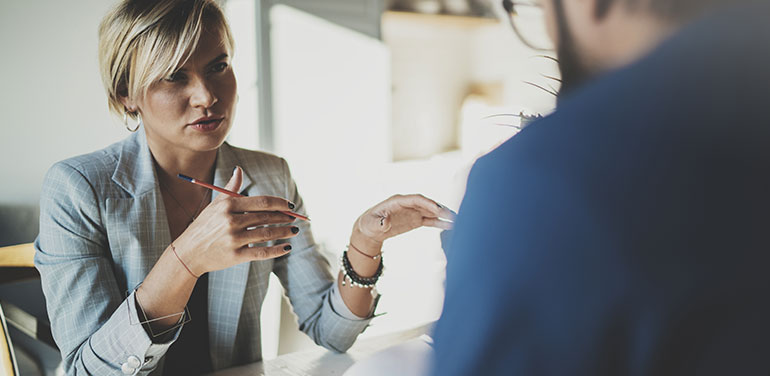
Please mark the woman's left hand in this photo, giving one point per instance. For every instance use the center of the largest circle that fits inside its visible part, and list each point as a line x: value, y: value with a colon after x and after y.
x: 402, y: 213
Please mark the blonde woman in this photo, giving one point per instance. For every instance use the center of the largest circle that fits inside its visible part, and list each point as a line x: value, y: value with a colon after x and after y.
x: 146, y: 273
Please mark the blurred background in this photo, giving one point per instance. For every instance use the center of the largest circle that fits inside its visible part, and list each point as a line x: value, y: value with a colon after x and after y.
x: 364, y: 98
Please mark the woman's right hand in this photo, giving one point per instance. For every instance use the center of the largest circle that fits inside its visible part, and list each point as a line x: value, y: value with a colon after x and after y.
x: 218, y: 238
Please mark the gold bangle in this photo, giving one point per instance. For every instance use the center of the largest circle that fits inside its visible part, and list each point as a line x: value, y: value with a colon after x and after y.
x: 184, y: 316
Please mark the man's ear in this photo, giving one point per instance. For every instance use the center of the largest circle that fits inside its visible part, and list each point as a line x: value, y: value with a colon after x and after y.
x: 579, y: 14
x: 596, y: 9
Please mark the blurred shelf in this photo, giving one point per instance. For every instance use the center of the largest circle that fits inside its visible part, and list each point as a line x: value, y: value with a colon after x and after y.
x: 438, y: 19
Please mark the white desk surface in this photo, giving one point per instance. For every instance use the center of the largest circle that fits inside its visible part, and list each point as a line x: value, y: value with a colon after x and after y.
x: 322, y: 362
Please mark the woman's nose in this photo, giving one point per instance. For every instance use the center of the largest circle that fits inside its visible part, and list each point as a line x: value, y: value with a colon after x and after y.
x: 201, y: 94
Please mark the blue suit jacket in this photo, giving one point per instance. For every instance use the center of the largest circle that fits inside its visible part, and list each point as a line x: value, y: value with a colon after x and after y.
x: 629, y: 232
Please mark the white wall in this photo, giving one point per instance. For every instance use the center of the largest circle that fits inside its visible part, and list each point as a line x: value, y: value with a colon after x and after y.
x: 332, y: 121
x: 331, y: 91
x: 431, y: 67
x: 52, y: 104
x: 241, y: 16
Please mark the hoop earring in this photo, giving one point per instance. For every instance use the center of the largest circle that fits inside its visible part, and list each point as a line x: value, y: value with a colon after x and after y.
x: 138, y: 121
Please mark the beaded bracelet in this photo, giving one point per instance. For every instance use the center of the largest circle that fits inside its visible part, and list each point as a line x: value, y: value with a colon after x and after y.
x: 354, y: 279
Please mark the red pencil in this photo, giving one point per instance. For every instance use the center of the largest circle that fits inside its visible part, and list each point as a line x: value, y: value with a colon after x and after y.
x: 233, y: 194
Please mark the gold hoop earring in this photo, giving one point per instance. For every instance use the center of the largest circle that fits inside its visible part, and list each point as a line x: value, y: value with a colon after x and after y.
x: 138, y: 121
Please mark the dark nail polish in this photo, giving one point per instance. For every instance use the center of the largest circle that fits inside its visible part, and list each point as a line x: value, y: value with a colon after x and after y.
x: 295, y: 230
x: 287, y: 248
x: 291, y: 206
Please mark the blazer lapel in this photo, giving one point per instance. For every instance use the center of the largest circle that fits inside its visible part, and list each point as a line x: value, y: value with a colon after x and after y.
x: 226, y: 287
x: 135, y: 173
x: 227, y: 159
x: 140, y: 248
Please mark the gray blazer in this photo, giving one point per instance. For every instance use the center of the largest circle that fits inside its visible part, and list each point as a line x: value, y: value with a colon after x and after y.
x: 102, y: 228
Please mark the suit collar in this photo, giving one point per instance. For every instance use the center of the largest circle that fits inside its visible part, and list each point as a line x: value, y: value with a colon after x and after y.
x: 135, y: 170
x: 135, y: 173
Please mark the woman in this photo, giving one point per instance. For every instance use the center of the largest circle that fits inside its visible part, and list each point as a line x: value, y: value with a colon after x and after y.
x: 144, y: 272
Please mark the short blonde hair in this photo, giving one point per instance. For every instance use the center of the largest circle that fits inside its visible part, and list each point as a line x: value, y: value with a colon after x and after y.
x: 143, y: 41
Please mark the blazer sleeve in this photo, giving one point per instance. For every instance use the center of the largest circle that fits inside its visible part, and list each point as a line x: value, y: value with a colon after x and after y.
x: 305, y: 274
x: 94, y: 323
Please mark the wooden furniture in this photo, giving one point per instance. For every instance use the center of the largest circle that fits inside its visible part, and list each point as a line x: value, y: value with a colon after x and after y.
x: 7, y: 357
x: 16, y: 262
x: 36, y: 340
x: 17, y: 256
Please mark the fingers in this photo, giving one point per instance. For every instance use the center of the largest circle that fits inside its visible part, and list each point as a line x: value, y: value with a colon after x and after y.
x: 264, y: 234
x: 234, y: 184
x: 385, y: 224
x: 425, y: 206
x: 437, y: 223
x: 254, y: 219
x: 263, y: 253
x: 447, y: 213
x: 258, y: 203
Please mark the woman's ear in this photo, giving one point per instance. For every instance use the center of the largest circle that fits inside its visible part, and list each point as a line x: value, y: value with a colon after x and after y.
x: 127, y: 102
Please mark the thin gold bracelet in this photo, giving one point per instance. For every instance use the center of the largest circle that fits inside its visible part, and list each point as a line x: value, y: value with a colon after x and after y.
x: 351, y: 246
x: 173, y: 249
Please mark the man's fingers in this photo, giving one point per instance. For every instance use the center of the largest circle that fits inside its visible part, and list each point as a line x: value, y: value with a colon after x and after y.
x: 263, y: 253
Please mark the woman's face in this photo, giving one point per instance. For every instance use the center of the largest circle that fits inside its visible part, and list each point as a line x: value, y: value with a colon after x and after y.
x: 192, y: 109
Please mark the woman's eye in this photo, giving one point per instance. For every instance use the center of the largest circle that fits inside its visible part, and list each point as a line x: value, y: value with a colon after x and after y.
x: 175, y: 77
x: 219, y: 67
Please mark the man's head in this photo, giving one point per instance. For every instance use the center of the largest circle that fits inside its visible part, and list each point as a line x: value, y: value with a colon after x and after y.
x: 592, y: 36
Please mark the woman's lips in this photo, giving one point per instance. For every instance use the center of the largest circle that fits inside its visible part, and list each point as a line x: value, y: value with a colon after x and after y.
x: 207, y: 126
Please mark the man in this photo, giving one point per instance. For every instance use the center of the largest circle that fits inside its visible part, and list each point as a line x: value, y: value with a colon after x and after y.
x: 629, y: 232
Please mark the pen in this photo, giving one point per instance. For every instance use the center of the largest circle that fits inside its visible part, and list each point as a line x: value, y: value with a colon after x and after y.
x: 233, y: 194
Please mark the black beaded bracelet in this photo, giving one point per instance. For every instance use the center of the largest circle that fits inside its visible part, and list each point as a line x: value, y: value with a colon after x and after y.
x: 354, y: 279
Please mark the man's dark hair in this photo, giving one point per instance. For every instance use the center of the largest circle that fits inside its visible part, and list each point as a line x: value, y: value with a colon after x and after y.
x: 671, y: 10
x: 573, y: 71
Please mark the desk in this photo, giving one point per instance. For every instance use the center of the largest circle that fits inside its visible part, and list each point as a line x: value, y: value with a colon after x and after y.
x: 322, y: 362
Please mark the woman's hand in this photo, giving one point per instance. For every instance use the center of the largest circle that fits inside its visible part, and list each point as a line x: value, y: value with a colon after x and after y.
x: 399, y: 214
x: 392, y: 217
x: 219, y: 238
